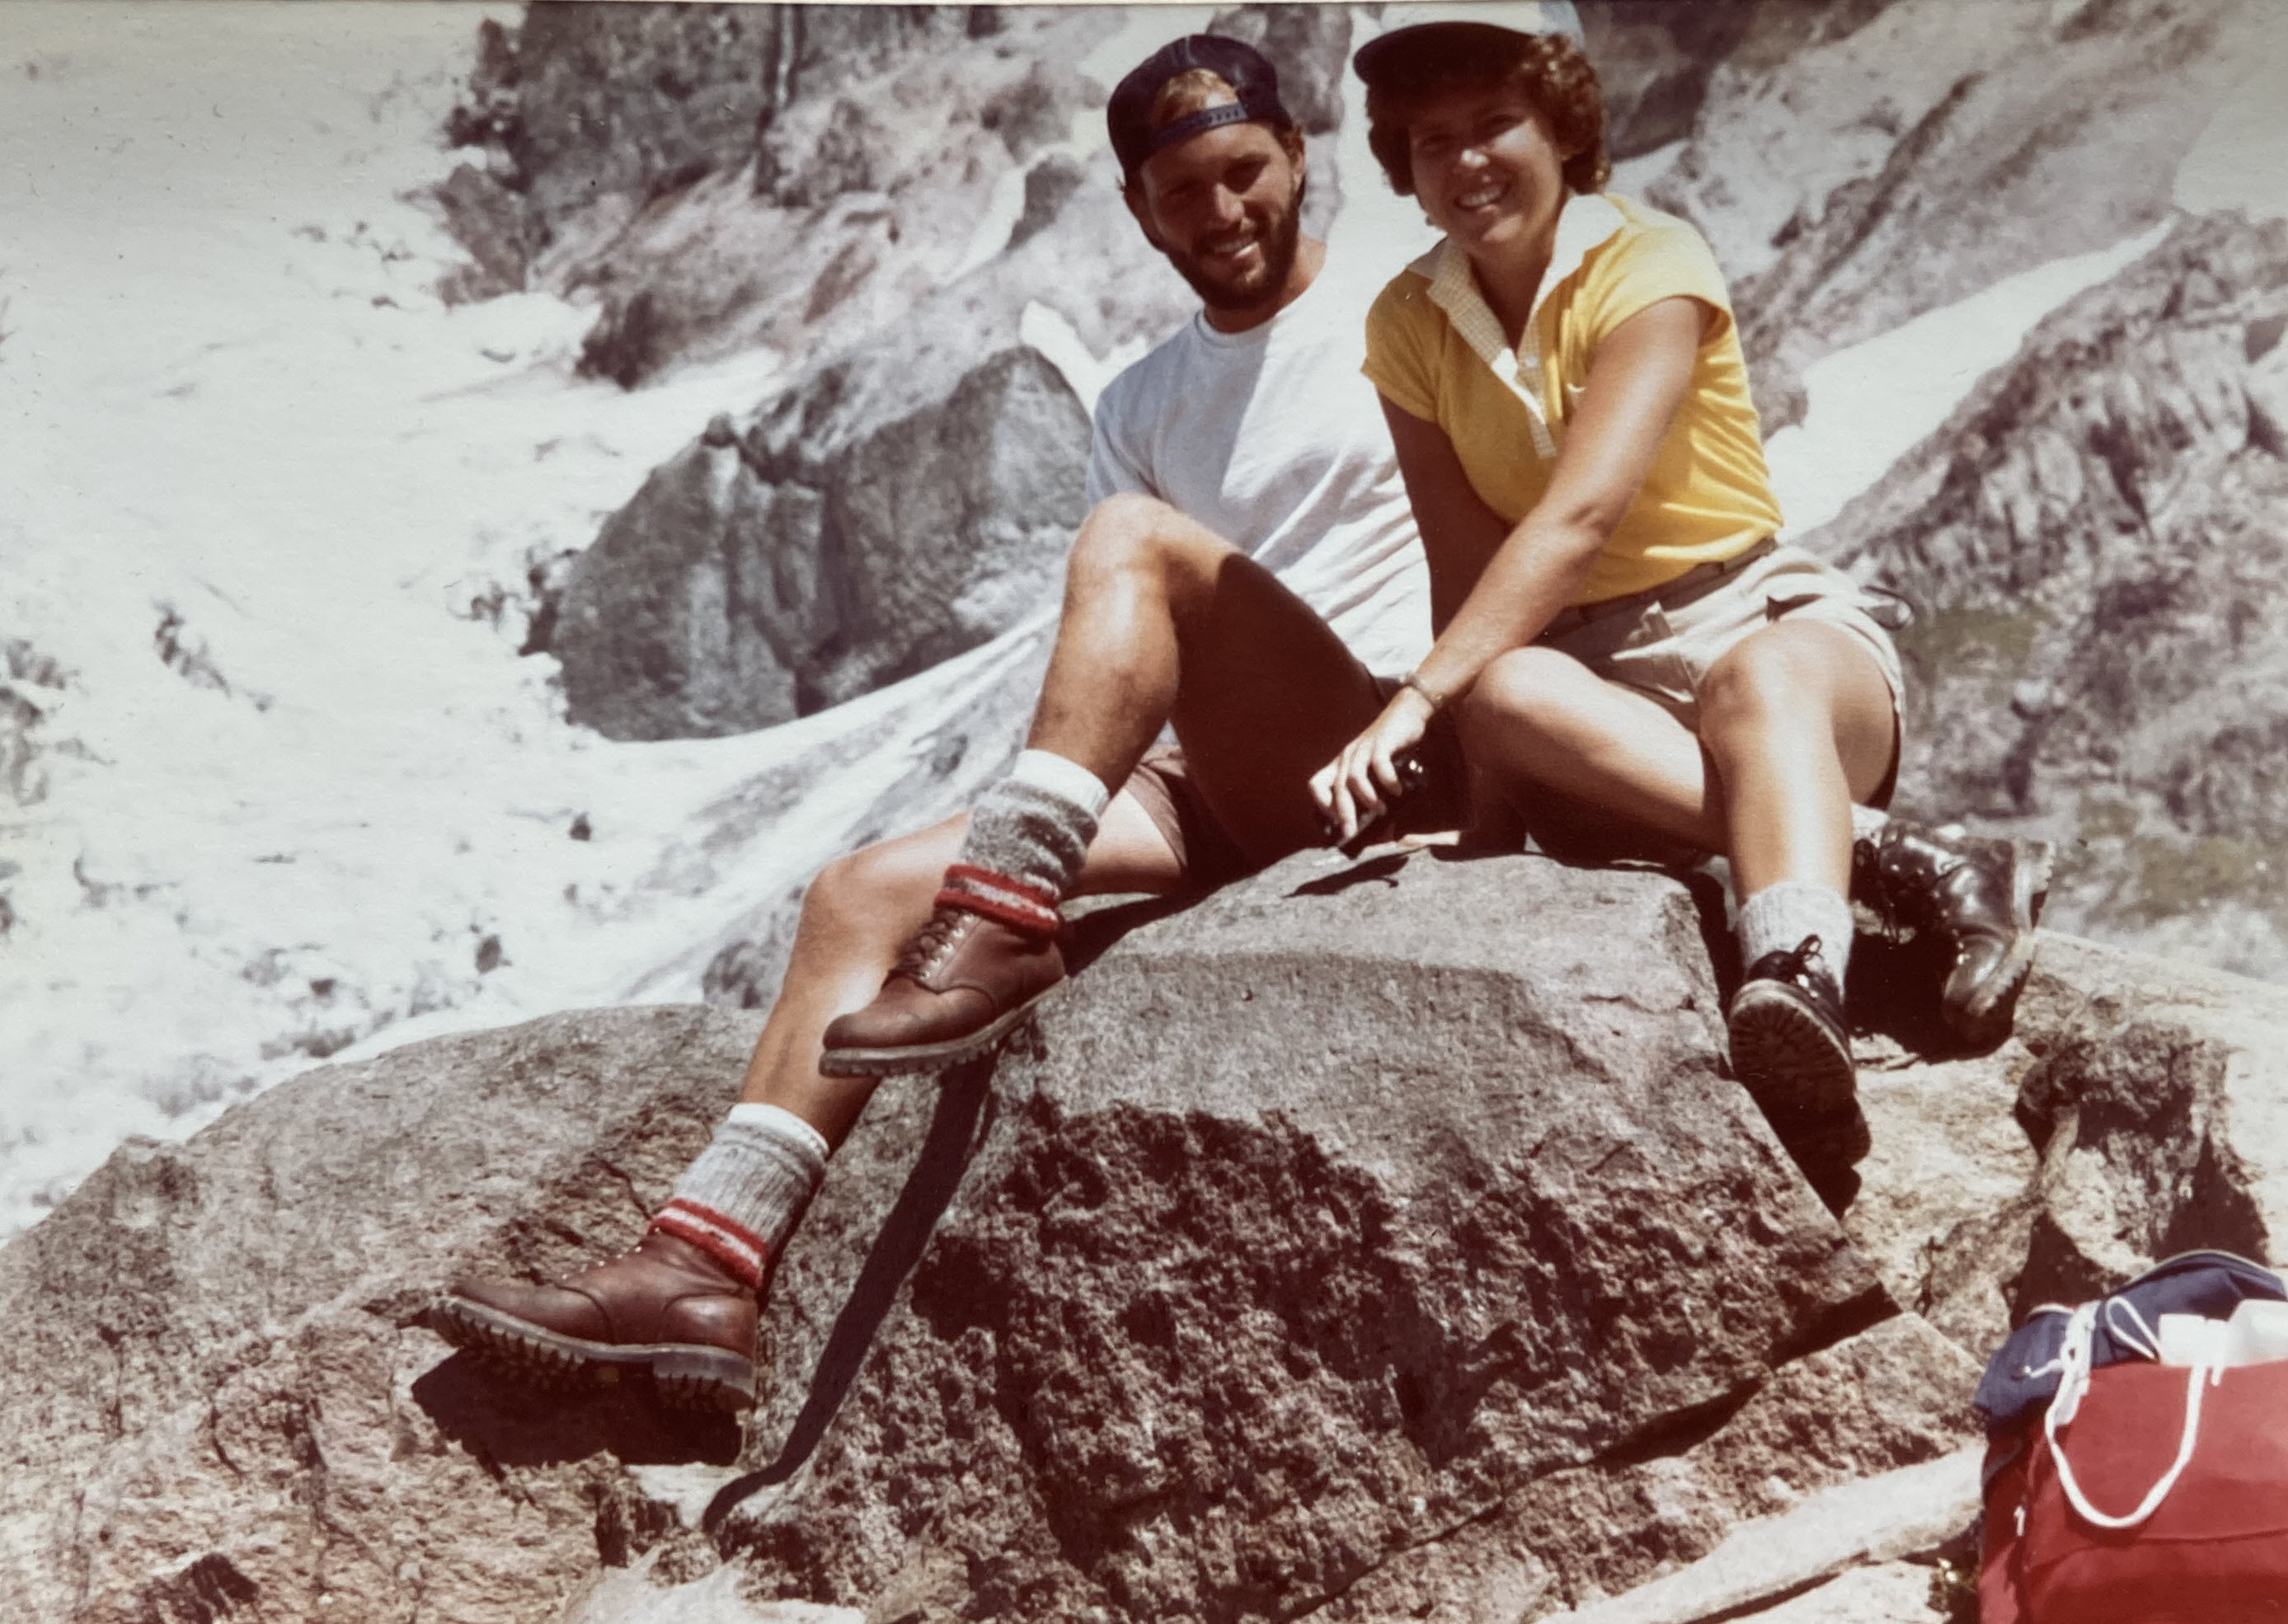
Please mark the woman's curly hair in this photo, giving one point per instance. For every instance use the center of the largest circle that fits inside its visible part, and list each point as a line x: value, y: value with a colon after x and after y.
x: 1549, y: 67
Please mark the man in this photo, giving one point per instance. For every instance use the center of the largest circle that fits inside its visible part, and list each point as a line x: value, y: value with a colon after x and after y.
x: 1248, y: 556
x: 1249, y: 563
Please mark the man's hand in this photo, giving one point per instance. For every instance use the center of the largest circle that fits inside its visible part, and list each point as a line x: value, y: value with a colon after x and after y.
x: 1360, y: 786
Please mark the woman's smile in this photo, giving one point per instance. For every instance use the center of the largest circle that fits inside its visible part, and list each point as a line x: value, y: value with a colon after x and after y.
x: 1487, y: 170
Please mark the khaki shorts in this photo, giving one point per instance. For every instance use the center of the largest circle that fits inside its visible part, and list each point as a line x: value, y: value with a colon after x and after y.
x: 1662, y: 644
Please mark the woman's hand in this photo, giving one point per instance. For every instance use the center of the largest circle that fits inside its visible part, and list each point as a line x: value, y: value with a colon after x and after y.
x: 1359, y: 786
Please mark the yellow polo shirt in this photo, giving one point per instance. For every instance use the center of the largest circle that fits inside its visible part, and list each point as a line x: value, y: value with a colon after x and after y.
x: 1436, y: 349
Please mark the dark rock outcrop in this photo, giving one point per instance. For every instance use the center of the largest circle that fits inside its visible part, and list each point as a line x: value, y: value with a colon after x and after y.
x: 588, y: 103
x: 1655, y: 57
x: 1310, y: 46
x: 834, y: 546
x: 2096, y: 544
x: 1367, y: 1242
x: 27, y: 690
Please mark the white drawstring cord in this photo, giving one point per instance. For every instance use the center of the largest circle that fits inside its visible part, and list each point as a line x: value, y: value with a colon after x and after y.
x: 2074, y: 1359
x: 2142, y: 1339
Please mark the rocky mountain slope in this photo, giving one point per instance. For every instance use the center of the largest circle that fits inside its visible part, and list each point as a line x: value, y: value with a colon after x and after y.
x: 1367, y: 1242
x: 2096, y: 544
x: 904, y: 190
x: 1862, y: 164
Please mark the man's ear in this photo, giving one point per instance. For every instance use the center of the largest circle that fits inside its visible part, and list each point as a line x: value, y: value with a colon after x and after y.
x: 1132, y: 194
x: 1292, y: 138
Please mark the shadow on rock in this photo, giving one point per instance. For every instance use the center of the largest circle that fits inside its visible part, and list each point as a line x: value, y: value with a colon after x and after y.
x: 1089, y: 936
x: 962, y: 1117
x: 509, y: 1425
x: 1895, y: 991
x: 1384, y: 868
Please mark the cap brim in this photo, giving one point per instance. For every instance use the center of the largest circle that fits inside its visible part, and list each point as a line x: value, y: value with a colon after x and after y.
x: 1365, y: 59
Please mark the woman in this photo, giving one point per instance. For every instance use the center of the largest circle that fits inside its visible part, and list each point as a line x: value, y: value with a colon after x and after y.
x: 1617, y: 631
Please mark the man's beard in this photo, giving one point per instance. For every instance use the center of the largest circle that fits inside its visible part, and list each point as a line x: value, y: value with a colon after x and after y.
x: 1278, y: 247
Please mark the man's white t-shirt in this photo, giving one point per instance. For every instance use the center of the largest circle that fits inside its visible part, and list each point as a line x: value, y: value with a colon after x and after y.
x: 1274, y: 439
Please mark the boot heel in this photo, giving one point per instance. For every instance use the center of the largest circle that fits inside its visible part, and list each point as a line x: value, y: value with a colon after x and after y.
x: 703, y: 1378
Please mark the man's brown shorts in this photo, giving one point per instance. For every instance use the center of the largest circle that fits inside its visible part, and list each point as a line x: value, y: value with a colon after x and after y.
x: 1162, y: 787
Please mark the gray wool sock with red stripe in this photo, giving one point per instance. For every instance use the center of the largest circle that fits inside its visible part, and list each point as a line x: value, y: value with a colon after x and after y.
x: 739, y: 1199
x: 1028, y: 836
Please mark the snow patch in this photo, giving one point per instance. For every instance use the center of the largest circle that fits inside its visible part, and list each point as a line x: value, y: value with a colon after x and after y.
x: 1871, y: 403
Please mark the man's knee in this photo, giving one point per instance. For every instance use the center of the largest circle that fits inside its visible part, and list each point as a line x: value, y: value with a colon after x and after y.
x: 1127, y: 535
x: 857, y: 892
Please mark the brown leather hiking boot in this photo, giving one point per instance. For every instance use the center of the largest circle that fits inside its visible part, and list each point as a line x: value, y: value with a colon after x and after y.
x: 1981, y: 897
x: 962, y: 985
x: 665, y: 1307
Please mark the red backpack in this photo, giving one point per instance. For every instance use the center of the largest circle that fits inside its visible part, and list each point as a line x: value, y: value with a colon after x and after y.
x: 2123, y: 1488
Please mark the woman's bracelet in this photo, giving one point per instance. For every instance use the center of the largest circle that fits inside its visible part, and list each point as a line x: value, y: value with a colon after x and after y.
x: 1413, y: 679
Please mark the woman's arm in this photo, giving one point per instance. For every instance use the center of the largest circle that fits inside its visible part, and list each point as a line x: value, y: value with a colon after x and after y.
x: 1636, y: 382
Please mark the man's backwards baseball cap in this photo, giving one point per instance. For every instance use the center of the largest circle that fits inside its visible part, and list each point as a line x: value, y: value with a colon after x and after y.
x: 1253, y: 80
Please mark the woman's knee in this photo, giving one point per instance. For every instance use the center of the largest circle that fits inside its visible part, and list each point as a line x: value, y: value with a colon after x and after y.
x: 1802, y: 682
x: 1526, y: 694
x: 1765, y: 678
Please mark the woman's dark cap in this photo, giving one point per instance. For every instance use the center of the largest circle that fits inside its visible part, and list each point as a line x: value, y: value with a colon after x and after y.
x: 1252, y: 79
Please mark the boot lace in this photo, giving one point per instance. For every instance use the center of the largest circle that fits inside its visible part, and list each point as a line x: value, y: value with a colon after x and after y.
x: 931, y: 943
x: 1798, y: 965
x: 1903, y: 883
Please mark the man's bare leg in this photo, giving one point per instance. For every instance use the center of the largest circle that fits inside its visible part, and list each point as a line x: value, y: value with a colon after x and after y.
x: 856, y: 916
x: 1163, y: 620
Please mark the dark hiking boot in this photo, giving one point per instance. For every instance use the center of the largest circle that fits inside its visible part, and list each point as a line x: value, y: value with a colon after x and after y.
x: 666, y: 1308
x: 963, y: 984
x: 1980, y: 897
x: 1790, y: 1047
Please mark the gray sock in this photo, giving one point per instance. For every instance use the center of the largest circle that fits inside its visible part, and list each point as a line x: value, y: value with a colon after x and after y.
x: 739, y: 1199
x: 1778, y: 917
x: 1028, y: 836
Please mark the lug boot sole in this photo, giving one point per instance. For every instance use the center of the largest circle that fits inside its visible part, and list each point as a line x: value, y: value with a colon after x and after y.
x: 932, y: 1057
x: 2031, y: 865
x: 1788, y: 1060
x: 687, y: 1376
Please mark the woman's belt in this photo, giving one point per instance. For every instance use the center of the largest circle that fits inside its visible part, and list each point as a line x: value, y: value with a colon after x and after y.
x: 1695, y: 582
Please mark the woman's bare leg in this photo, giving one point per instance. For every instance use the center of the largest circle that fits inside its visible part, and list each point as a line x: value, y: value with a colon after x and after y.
x: 1796, y: 724
x: 1799, y: 722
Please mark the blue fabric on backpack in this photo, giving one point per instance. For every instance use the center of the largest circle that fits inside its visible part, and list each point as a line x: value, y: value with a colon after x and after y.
x: 2022, y: 1375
